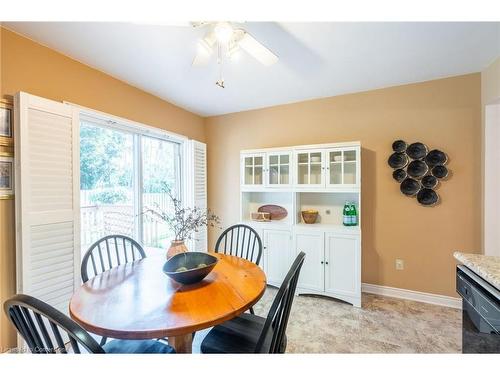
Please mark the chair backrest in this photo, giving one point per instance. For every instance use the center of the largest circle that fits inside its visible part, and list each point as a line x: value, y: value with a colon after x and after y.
x: 272, y: 337
x: 45, y: 329
x: 109, y: 252
x: 242, y: 241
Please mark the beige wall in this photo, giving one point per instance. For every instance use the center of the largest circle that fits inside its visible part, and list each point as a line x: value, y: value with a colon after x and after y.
x: 445, y: 114
x: 490, y: 83
x: 30, y: 67
x: 490, y: 94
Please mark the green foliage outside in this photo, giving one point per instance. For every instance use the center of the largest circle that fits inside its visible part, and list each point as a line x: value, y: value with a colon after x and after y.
x: 110, y: 196
x: 106, y: 164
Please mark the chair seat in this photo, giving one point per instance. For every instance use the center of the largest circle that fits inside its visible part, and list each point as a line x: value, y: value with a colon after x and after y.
x: 238, y: 335
x: 137, y: 347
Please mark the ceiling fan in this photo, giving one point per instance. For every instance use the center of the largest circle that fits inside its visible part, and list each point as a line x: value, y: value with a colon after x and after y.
x: 226, y: 39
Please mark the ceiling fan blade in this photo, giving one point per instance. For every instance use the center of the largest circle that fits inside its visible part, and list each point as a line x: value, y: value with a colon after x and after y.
x: 257, y: 50
x: 205, y: 50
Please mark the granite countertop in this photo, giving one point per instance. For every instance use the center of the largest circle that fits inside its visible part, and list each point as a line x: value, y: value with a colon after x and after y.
x: 488, y: 267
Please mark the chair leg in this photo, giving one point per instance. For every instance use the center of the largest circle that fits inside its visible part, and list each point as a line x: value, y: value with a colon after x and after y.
x: 103, y: 340
x: 251, y: 311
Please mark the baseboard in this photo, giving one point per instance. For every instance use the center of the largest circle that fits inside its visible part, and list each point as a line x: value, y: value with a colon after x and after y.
x: 412, y: 295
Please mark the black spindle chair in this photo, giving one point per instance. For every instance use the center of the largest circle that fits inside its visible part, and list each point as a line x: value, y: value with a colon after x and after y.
x: 46, y: 330
x: 109, y: 252
x: 242, y: 241
x: 249, y: 333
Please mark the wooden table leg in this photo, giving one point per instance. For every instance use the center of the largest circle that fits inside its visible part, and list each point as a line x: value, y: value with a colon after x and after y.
x: 182, y: 344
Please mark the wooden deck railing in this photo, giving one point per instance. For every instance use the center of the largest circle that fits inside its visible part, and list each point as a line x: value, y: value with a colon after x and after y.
x: 98, y: 221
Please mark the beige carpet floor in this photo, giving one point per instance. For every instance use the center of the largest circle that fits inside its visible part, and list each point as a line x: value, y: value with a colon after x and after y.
x: 382, y: 325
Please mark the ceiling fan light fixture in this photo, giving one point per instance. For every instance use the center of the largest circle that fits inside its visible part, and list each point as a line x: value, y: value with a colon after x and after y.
x: 223, y: 32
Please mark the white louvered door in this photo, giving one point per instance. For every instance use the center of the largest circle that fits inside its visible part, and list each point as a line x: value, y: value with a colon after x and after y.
x: 47, y: 199
x: 197, y: 187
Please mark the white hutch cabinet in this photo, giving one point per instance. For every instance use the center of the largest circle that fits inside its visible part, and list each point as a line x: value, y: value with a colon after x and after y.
x: 320, y: 177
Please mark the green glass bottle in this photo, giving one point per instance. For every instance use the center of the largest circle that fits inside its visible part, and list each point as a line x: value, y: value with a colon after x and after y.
x: 354, y: 214
x: 347, y: 214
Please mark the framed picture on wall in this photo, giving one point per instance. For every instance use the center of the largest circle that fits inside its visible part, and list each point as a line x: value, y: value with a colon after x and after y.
x: 6, y: 123
x: 6, y: 175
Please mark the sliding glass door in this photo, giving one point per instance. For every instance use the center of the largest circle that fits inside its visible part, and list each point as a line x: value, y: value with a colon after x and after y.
x: 122, y: 174
x: 160, y: 171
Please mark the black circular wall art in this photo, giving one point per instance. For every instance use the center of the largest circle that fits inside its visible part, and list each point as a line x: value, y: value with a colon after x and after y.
x: 418, y: 170
x: 410, y: 187
x: 436, y: 157
x: 398, y: 160
x: 417, y: 151
x: 427, y: 197
x: 440, y: 171
x: 429, y: 181
x: 399, y: 146
x: 399, y: 175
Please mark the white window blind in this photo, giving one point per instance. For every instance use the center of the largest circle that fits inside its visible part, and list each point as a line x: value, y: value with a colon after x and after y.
x: 197, y: 187
x: 47, y: 199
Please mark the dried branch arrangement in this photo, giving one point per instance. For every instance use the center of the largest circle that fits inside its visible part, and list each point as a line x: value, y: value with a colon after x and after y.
x: 183, y: 221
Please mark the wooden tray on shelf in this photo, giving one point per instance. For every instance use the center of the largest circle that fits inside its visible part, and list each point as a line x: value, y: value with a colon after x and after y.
x: 277, y: 212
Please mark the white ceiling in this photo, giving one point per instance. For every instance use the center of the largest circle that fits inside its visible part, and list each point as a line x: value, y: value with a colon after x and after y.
x: 316, y: 59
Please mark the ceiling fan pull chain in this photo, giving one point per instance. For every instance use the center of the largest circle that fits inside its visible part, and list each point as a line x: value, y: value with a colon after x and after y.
x: 220, y: 60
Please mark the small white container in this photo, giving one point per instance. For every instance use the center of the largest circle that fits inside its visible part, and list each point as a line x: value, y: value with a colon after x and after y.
x: 337, y: 158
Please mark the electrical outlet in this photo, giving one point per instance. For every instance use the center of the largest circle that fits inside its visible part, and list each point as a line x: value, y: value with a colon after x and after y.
x: 400, y: 264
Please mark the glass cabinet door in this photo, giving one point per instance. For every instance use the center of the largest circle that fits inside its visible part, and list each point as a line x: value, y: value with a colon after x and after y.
x: 278, y: 169
x: 342, y: 167
x: 309, y: 168
x: 253, y: 173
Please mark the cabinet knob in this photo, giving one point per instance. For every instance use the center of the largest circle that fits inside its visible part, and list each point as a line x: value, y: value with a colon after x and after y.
x: 322, y: 262
x: 326, y: 262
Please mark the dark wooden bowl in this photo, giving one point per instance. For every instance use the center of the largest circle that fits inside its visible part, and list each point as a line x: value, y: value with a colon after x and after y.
x: 190, y: 260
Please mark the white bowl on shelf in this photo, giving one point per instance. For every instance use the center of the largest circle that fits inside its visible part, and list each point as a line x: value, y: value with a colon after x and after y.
x: 337, y: 158
x: 315, y: 159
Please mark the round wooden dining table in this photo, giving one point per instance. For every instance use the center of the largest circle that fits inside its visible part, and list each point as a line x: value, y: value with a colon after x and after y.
x: 138, y: 301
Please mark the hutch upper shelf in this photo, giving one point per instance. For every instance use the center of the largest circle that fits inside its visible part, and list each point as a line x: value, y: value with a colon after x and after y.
x: 331, y: 167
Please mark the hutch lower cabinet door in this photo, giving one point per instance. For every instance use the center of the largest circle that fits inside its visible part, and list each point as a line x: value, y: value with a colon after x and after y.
x: 343, y: 266
x: 312, y: 274
x: 277, y: 249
